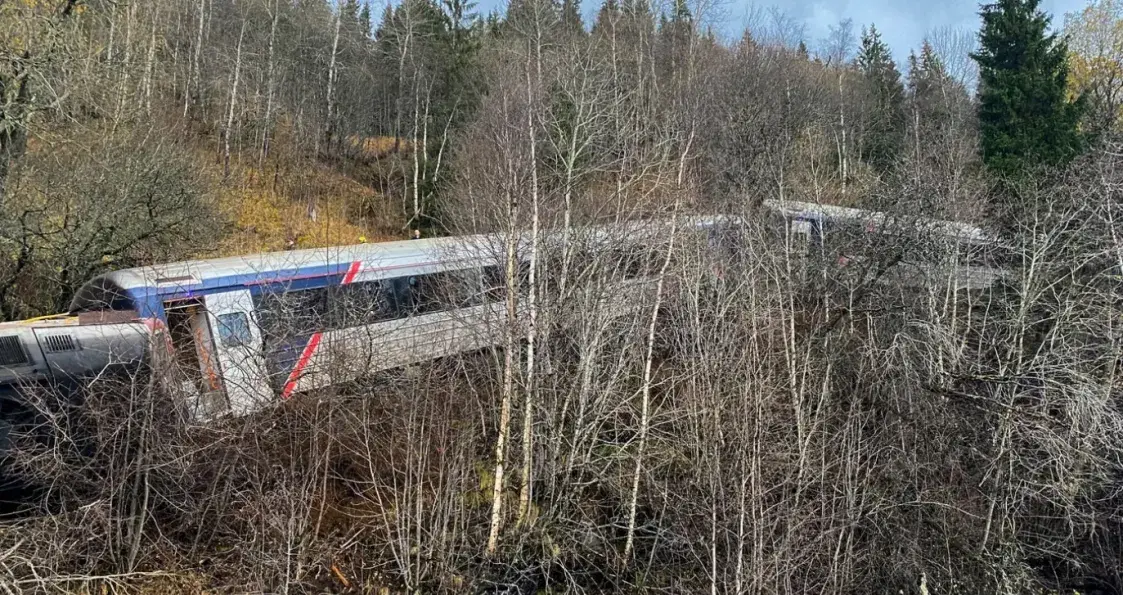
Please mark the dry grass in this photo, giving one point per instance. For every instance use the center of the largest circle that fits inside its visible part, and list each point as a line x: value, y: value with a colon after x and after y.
x: 290, y: 198
x: 377, y: 147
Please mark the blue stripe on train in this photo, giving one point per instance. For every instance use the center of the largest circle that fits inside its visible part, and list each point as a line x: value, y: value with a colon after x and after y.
x: 150, y: 300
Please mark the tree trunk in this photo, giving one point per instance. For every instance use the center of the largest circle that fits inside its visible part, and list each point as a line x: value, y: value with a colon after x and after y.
x: 193, y: 91
x: 509, y: 345
x: 233, y: 102
x: 150, y: 61
x: 645, y: 394
x: 329, y: 130
x: 270, y: 86
x: 532, y: 315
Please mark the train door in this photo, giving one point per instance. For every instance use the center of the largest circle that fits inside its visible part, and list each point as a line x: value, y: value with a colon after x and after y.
x: 195, y: 367
x: 238, y: 350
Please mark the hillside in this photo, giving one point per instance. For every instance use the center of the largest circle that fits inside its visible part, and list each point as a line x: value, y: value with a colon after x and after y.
x: 767, y: 409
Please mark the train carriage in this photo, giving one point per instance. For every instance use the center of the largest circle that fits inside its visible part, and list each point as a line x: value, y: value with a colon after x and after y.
x: 246, y: 331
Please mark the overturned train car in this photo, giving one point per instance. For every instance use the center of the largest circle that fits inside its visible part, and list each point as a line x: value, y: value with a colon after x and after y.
x: 242, y: 333
x: 245, y: 332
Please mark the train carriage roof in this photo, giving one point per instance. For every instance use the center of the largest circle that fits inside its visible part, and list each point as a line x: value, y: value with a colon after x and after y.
x: 273, y: 266
x: 805, y: 210
x: 210, y: 275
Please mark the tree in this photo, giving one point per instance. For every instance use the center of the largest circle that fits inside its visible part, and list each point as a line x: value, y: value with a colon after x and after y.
x: 927, y: 72
x: 942, y: 154
x: 1095, y: 37
x: 606, y: 16
x: 837, y: 46
x: 1025, y: 117
x: 571, y: 17
x: 930, y: 88
x: 953, y: 46
x: 32, y: 33
x: 364, y: 20
x: 881, y: 144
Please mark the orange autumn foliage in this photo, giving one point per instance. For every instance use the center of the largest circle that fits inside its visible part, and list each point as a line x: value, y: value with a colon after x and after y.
x: 310, y: 203
x: 377, y: 147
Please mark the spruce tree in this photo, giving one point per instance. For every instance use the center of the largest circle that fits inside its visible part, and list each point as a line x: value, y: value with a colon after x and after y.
x: 884, y: 136
x: 607, y: 16
x: 364, y: 20
x: 1025, y: 119
x: 934, y: 93
x: 571, y: 17
x: 677, y: 33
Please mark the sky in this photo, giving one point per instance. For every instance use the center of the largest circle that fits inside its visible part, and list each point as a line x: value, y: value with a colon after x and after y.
x: 902, y: 23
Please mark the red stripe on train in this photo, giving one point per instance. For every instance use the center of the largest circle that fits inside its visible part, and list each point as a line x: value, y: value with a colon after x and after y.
x: 310, y: 348
x: 352, y: 271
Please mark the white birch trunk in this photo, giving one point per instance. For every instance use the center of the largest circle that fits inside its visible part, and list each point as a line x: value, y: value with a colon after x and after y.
x: 150, y: 61
x: 193, y: 84
x: 843, y: 160
x: 270, y: 85
x: 645, y: 404
x: 126, y: 66
x: 645, y: 395
x: 233, y: 103
x: 330, y: 124
x: 532, y: 315
x: 508, y: 369
x: 416, y: 158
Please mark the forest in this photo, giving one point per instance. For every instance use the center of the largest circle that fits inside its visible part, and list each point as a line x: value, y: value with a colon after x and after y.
x: 783, y: 427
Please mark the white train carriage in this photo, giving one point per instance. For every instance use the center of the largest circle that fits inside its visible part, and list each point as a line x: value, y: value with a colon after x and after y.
x: 245, y: 331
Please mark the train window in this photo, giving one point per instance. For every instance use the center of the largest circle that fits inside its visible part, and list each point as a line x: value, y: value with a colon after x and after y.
x: 293, y: 313
x: 302, y: 312
x: 359, y: 304
x: 234, y: 329
x: 495, y: 283
x: 434, y: 293
x: 405, y: 298
x: 438, y: 292
x: 465, y: 288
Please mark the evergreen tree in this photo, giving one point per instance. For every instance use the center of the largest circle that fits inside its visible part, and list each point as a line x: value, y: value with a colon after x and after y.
x: 1024, y: 117
x: 676, y: 34
x: 493, y: 24
x: 350, y: 10
x: 884, y: 136
x: 681, y: 13
x: 387, y: 23
x: 801, y: 49
x: 609, y: 13
x: 571, y: 17
x: 930, y: 87
x: 364, y: 19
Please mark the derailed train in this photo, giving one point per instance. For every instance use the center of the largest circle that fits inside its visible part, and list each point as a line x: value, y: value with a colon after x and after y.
x: 248, y: 331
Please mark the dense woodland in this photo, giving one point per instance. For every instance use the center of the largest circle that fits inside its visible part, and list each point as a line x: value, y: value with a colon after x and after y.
x: 781, y: 427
